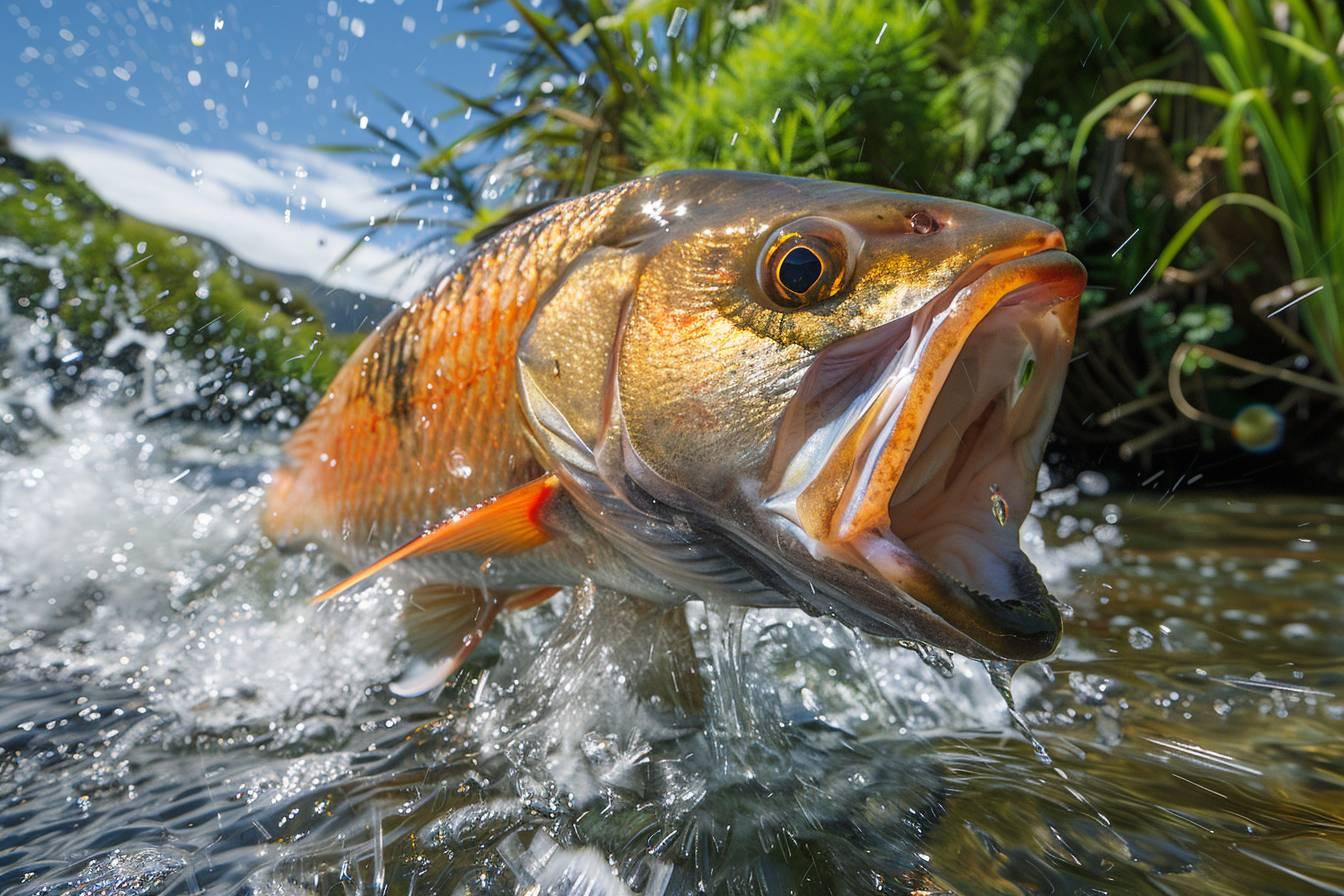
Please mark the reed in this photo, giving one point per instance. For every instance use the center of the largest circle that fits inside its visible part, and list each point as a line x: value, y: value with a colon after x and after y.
x: 1278, y: 77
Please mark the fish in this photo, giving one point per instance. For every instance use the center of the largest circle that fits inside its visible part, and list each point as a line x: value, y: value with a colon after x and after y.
x: 741, y: 388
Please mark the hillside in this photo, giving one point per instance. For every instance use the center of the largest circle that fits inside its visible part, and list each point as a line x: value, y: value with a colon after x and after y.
x: 68, y: 256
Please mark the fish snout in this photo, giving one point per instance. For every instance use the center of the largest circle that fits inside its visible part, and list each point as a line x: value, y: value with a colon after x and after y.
x: 995, y: 231
x: 907, y: 459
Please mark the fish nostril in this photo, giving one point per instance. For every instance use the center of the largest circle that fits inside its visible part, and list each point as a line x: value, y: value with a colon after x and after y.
x: 922, y: 223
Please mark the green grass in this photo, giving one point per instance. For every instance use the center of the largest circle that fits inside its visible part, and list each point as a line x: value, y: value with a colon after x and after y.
x: 1278, y: 78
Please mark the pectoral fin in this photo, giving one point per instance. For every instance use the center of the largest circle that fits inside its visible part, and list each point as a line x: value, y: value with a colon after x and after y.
x: 445, y: 623
x: 507, y: 524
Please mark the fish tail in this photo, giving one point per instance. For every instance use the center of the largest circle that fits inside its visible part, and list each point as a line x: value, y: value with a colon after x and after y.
x: 292, y: 512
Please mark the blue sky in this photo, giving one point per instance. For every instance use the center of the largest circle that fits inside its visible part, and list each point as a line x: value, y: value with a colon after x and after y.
x: 164, y: 107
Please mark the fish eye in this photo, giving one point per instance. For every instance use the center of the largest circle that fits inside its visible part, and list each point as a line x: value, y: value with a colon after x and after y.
x: 799, y: 269
x: 804, y: 263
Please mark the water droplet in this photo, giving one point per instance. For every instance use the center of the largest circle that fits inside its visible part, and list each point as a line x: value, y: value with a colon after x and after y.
x: 678, y: 19
x: 197, y: 37
x: 1092, y: 483
x: 935, y: 658
x: 458, y: 466
x: 1001, y: 675
x: 1140, y: 638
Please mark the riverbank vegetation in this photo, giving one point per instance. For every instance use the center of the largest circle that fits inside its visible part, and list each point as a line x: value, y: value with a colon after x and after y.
x: 101, y: 283
x: 1193, y: 152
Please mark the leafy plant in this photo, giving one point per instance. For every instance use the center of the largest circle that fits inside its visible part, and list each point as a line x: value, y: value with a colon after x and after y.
x: 844, y: 88
x: 1279, y: 78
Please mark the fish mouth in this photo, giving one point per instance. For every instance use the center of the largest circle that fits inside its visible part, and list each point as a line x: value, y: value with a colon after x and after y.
x: 909, y: 458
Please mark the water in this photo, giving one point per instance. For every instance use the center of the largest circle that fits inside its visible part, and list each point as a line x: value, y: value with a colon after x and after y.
x: 174, y: 718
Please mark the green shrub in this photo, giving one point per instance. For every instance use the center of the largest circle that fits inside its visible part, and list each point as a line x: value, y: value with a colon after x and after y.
x: 843, y: 88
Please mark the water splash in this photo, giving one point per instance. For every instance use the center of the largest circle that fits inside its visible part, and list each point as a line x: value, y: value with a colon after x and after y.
x: 936, y: 658
x: 1001, y: 674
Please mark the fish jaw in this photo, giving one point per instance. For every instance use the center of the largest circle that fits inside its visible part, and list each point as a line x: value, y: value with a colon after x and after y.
x: 908, y: 459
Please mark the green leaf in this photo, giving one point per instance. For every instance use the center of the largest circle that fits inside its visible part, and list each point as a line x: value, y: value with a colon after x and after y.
x: 1177, y: 242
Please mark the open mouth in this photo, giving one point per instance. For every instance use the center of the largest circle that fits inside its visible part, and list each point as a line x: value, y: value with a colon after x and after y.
x: 913, y: 451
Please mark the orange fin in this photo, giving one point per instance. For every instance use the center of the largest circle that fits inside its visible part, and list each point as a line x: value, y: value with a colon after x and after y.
x: 444, y: 624
x: 526, y: 600
x: 507, y: 524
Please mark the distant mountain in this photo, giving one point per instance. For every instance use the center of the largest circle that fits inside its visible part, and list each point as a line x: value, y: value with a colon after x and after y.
x: 343, y: 310
x: 74, y: 258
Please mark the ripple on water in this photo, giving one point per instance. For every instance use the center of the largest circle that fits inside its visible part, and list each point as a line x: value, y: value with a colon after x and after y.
x: 173, y: 718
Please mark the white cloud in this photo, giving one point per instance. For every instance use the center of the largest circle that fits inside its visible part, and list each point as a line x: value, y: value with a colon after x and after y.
x: 238, y: 200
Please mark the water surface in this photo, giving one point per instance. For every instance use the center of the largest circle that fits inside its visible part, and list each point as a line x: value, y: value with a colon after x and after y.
x: 174, y: 718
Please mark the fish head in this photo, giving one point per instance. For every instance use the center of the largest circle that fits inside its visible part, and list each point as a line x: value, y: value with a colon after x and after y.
x: 847, y: 389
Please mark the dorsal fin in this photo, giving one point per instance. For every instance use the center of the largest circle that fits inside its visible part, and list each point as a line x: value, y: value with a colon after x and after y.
x: 506, y: 524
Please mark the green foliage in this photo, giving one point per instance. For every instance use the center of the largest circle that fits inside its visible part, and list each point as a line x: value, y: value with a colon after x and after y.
x: 987, y: 98
x: 876, y: 92
x: 844, y: 88
x: 1027, y: 174
x: 1203, y: 324
x: 1279, y: 78
x: 991, y: 50
x: 97, y: 270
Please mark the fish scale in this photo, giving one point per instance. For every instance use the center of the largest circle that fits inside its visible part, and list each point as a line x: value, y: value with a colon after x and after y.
x: 435, y: 379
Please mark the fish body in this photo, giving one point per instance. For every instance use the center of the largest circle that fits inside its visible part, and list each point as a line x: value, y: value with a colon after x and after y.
x: 752, y: 389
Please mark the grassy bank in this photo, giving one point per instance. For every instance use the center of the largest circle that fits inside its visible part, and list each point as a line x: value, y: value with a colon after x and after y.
x: 71, y: 260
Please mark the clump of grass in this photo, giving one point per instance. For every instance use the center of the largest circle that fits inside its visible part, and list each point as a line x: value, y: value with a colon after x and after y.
x: 1278, y: 77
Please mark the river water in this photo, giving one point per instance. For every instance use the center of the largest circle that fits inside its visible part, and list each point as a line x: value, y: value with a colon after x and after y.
x: 175, y: 719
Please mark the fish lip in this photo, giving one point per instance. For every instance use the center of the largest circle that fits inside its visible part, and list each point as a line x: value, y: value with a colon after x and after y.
x: 966, y: 619
x: 1047, y: 277
x: 1026, y: 624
